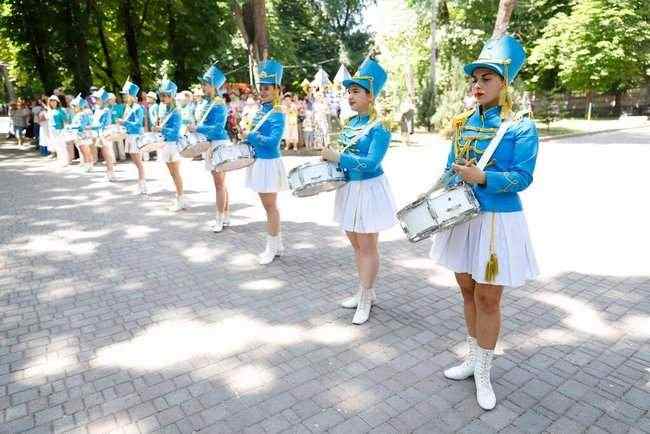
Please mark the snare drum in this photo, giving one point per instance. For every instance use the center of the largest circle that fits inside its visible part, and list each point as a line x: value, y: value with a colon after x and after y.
x: 193, y: 144
x: 86, y: 138
x: 232, y: 157
x: 310, y: 179
x: 114, y: 133
x: 437, y: 212
x: 149, y: 142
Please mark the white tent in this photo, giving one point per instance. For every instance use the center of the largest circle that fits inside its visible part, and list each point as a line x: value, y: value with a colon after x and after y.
x: 342, y: 74
x: 321, y: 79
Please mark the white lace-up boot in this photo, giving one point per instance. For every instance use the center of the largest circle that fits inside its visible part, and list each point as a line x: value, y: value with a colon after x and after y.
x: 484, y: 393
x: 179, y: 204
x: 273, y: 249
x: 465, y: 369
x: 218, y: 223
x: 226, y: 219
x: 363, y: 308
x: 142, y: 187
x: 353, y: 301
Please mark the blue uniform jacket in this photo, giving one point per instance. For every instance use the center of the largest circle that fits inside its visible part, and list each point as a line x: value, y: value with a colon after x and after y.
x: 172, y: 128
x: 266, y: 140
x: 101, y: 119
x: 79, y: 122
x: 56, y: 119
x: 510, y: 170
x: 134, y: 123
x: 214, y: 123
x: 362, y: 155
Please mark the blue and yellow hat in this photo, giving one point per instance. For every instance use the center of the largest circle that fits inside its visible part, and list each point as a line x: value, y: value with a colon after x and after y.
x: 78, y: 101
x: 271, y: 72
x: 130, y: 88
x: 504, y: 55
x: 214, y: 77
x: 370, y: 76
x: 101, y: 95
x: 168, y: 87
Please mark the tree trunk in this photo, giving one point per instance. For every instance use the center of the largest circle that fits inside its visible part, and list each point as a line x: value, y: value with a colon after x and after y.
x: 126, y: 10
x: 433, y: 57
x: 8, y: 85
x: 76, y: 53
x: 176, y: 52
x: 108, y: 69
x: 503, y: 17
x: 251, y: 22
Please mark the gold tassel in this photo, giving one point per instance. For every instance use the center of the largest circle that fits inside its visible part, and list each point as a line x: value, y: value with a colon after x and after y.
x: 372, y: 113
x: 277, y: 101
x: 505, y: 101
x: 492, y: 267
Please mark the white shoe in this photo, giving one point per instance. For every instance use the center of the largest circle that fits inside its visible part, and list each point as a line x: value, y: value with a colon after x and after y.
x: 353, y: 301
x: 484, y: 393
x: 179, y: 204
x: 363, y: 309
x: 142, y: 187
x: 465, y: 369
x: 226, y: 219
x: 273, y: 249
x: 218, y: 223
x: 88, y: 168
x: 110, y: 177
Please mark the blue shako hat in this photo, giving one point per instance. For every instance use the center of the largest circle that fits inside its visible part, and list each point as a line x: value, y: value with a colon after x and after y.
x: 101, y: 95
x: 504, y: 55
x: 270, y: 72
x: 168, y: 87
x: 130, y: 88
x: 78, y: 101
x: 370, y: 76
x: 213, y: 76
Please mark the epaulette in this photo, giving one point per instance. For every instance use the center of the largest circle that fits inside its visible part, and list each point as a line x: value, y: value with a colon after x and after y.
x: 459, y: 120
x: 218, y: 100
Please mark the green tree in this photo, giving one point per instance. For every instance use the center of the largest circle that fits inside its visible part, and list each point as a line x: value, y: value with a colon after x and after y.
x: 601, y: 45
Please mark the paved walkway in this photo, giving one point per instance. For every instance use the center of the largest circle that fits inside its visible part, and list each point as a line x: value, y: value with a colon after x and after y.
x: 118, y: 316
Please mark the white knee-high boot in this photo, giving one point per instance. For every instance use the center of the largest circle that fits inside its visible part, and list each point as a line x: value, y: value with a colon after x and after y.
x: 484, y: 393
x: 465, y: 369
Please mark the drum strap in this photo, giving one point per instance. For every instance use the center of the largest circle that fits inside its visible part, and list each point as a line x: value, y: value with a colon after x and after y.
x: 205, y: 113
x: 261, y: 122
x: 489, y: 151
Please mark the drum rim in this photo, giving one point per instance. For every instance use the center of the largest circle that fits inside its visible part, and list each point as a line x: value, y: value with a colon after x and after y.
x: 296, y: 190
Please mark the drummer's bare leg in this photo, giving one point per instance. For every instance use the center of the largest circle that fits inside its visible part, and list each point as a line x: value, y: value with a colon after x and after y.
x: 107, y: 154
x: 175, y: 171
x: 274, y: 245
x: 367, y: 254
x: 221, y: 192
x: 137, y: 160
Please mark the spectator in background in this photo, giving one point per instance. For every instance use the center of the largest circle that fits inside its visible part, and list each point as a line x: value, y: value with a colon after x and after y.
x: 20, y: 119
x: 37, y: 108
x: 308, y: 128
x: 10, y: 113
x: 43, y: 134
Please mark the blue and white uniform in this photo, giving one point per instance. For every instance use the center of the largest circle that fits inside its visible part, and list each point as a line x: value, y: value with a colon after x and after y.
x: 365, y: 204
x: 267, y: 174
x: 501, y: 228
x: 133, y: 119
x: 213, y: 125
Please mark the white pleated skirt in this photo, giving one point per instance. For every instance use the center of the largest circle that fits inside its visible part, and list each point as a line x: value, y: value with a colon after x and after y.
x: 366, y: 206
x: 466, y: 248
x: 130, y: 145
x: 169, y: 153
x: 267, y: 176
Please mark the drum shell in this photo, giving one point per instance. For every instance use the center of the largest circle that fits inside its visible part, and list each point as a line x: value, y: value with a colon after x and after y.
x: 310, y: 179
x: 149, y: 142
x: 437, y: 212
x: 193, y: 144
x: 226, y: 158
x: 114, y: 133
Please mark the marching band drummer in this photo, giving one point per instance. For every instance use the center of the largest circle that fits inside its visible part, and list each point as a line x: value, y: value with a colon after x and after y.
x: 80, y: 122
x: 101, y: 119
x: 170, y: 126
x: 267, y: 175
x: 133, y: 121
x: 493, y: 250
x: 364, y: 206
x: 212, y: 114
